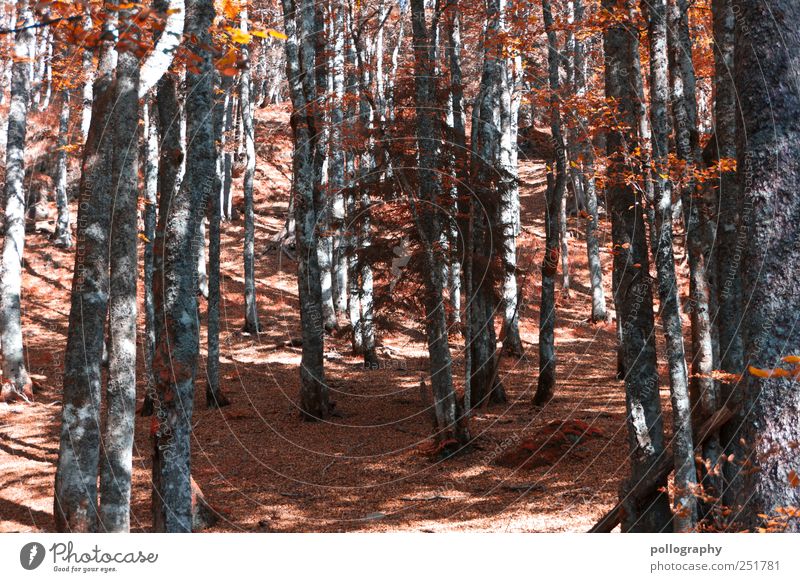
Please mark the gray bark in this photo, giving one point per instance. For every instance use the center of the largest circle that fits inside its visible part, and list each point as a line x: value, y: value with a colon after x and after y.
x: 150, y: 157
x: 117, y: 464
x: 728, y: 196
x: 175, y: 289
x: 555, y: 193
x: 684, y: 501
x: 491, y: 179
x: 585, y: 150
x: 214, y: 395
x: 75, y: 500
x: 633, y: 290
x: 251, y: 321
x: 453, y: 432
x: 769, y: 157
x: 698, y: 239
x: 301, y: 20
x: 16, y: 379
x: 63, y: 232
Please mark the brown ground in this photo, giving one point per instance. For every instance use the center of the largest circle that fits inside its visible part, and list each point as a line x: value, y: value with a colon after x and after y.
x: 267, y: 471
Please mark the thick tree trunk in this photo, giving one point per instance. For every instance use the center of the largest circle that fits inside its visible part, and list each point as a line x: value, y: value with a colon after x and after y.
x: 769, y: 156
x: 117, y: 465
x: 16, y: 381
x: 301, y: 20
x: 634, y: 294
x: 728, y: 259
x: 555, y: 193
x: 62, y: 235
x: 75, y: 503
x: 175, y: 289
x: 685, y: 503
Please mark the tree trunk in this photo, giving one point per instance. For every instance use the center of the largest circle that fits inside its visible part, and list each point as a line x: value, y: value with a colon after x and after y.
x: 555, y: 193
x: 301, y: 21
x: 683, y: 448
x: 75, y: 503
x: 584, y: 149
x: 15, y: 376
x: 251, y: 322
x: 214, y: 396
x: 453, y: 433
x: 633, y: 296
x: 63, y: 232
x: 336, y: 166
x: 728, y: 260
x: 150, y: 157
x: 698, y: 240
x: 769, y: 156
x: 175, y: 289
x: 117, y: 465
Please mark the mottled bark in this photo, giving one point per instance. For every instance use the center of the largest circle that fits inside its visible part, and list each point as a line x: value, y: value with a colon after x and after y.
x: 175, y: 288
x: 336, y: 164
x: 75, y: 502
x: 490, y: 179
x: 698, y: 238
x: 453, y: 432
x: 251, y: 322
x: 685, y: 503
x: 150, y: 158
x: 555, y: 193
x: 729, y: 233
x: 120, y: 405
x: 214, y: 395
x: 585, y: 151
x: 301, y: 20
x: 769, y: 159
x: 633, y: 294
x: 62, y: 235
x: 15, y: 376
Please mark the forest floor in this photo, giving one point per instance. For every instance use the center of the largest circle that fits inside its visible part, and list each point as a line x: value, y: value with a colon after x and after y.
x: 366, y: 470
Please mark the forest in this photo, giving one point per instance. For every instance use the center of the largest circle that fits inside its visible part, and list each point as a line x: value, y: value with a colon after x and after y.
x: 400, y: 265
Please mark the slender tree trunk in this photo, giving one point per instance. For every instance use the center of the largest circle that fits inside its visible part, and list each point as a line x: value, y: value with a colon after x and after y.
x: 251, y: 322
x: 63, y: 232
x: 698, y: 240
x: 75, y: 502
x: 685, y: 503
x: 301, y: 20
x: 214, y: 395
x: 175, y: 289
x: 336, y: 166
x: 769, y: 158
x: 453, y: 432
x: 634, y: 294
x: 227, y: 199
x: 555, y: 193
x: 586, y: 176
x: 117, y: 465
x: 490, y: 183
x: 150, y: 157
x: 16, y: 379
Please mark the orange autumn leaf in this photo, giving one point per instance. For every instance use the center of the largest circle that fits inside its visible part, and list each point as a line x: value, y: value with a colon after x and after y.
x: 794, y: 479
